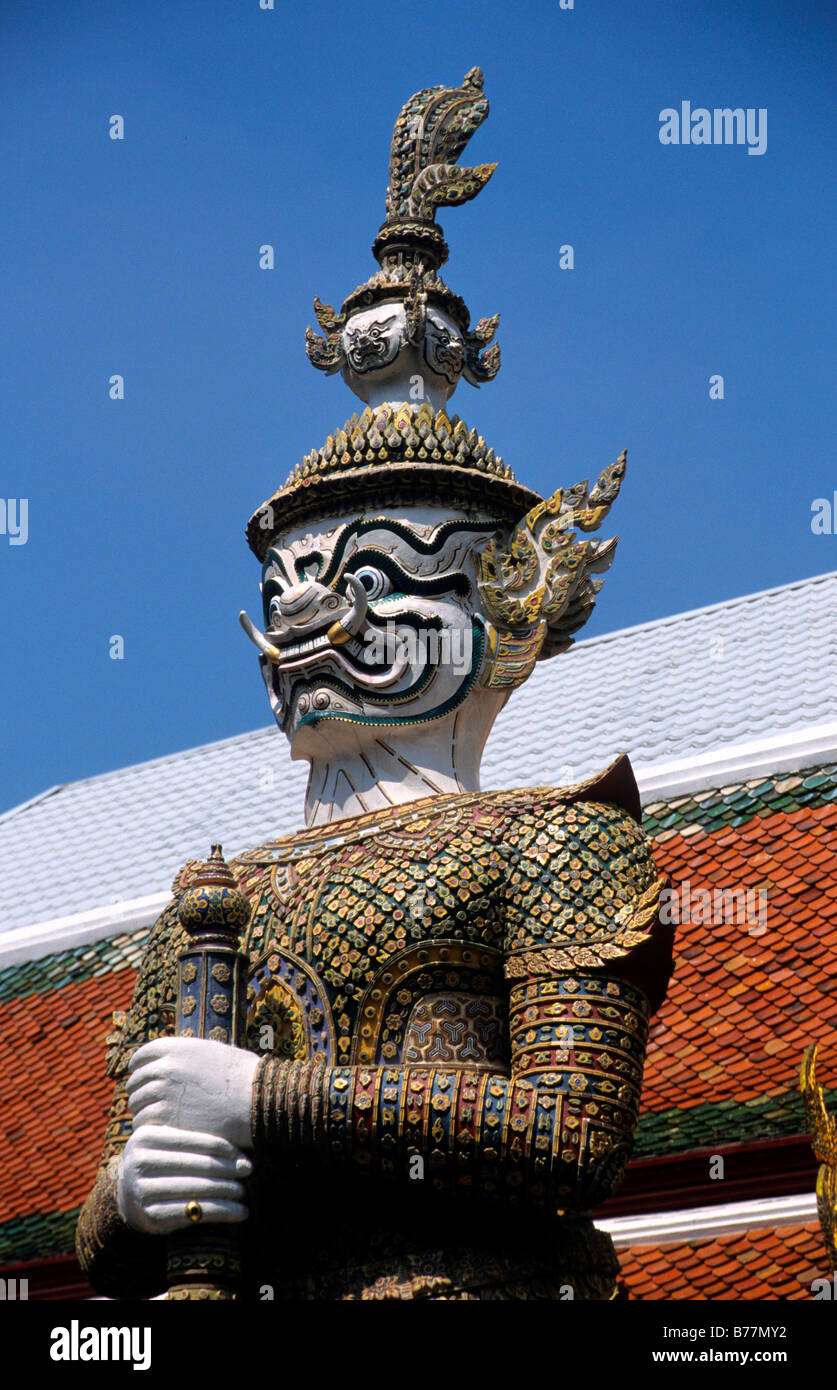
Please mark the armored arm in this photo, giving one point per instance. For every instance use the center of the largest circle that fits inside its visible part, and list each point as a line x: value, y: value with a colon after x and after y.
x: 557, y: 1130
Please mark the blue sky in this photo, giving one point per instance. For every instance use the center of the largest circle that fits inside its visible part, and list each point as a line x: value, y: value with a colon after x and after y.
x: 245, y: 126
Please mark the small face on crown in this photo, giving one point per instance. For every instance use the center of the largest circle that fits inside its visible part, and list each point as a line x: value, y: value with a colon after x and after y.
x: 372, y: 621
x: 402, y: 351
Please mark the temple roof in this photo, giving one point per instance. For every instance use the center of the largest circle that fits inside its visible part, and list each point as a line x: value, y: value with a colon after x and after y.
x: 671, y: 689
x: 666, y: 692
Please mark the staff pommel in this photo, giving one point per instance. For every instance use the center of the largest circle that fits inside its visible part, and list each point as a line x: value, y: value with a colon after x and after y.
x: 213, y: 903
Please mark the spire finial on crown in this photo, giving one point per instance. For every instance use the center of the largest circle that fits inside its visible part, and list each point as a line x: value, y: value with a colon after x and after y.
x: 431, y: 132
x: 428, y: 321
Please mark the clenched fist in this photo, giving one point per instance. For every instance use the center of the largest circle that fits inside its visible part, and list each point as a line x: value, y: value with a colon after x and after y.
x: 164, y: 1168
x: 190, y: 1101
x: 191, y: 1083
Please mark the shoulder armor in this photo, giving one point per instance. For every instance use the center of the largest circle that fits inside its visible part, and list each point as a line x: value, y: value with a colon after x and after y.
x: 584, y: 890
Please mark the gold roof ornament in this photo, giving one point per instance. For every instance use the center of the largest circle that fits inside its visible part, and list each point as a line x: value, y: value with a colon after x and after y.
x: 823, y: 1131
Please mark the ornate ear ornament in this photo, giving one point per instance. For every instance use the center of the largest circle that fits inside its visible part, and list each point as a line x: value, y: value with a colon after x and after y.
x: 415, y: 306
x: 537, y: 582
x: 326, y: 354
x: 823, y: 1130
x: 482, y: 366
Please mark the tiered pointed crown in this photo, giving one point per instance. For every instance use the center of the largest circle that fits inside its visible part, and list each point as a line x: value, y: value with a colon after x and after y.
x: 430, y: 134
x: 403, y: 327
x: 400, y: 450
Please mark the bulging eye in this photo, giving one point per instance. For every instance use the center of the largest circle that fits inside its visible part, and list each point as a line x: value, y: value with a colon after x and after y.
x: 375, y: 582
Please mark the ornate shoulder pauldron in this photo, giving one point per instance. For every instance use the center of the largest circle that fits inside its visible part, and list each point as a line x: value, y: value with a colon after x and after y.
x: 583, y: 888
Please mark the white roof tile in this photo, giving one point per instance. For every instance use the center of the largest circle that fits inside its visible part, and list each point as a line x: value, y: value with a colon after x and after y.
x: 761, y: 665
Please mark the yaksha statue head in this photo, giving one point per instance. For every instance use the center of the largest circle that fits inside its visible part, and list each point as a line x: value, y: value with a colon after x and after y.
x: 409, y: 582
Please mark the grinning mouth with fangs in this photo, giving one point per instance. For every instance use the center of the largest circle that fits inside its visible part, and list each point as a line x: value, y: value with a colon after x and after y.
x: 354, y: 655
x: 340, y: 641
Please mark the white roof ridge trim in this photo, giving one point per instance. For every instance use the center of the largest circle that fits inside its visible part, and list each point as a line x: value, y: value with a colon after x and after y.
x: 705, y: 1223
x: 32, y: 801
x: 80, y: 928
x: 689, y: 613
x: 813, y: 745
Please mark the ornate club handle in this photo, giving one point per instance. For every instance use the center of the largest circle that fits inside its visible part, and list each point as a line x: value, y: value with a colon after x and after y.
x: 204, y: 1261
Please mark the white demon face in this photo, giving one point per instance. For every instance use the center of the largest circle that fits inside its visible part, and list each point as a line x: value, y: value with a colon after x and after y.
x: 382, y: 350
x: 371, y: 621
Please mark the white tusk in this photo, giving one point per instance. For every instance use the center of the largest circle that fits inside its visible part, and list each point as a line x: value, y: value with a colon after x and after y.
x: 258, y: 639
x: 355, y: 618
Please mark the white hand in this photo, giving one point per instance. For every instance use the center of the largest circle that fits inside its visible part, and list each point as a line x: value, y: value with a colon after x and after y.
x: 163, y: 1168
x: 192, y: 1083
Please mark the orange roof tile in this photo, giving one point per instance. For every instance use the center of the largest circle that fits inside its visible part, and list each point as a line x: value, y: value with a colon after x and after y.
x: 770, y: 994
x: 54, y: 1096
x: 772, y: 1263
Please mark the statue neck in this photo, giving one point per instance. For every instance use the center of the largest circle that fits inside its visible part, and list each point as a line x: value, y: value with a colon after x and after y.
x: 356, y: 769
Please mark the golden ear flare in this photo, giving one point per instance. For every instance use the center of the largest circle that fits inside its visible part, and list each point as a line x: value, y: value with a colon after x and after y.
x: 823, y: 1131
x: 537, y: 582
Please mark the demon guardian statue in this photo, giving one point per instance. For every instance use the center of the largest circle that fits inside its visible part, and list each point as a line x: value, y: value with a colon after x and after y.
x: 445, y: 991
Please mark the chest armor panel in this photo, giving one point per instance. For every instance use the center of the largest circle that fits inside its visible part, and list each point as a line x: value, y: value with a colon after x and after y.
x: 386, y: 939
x: 380, y: 948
